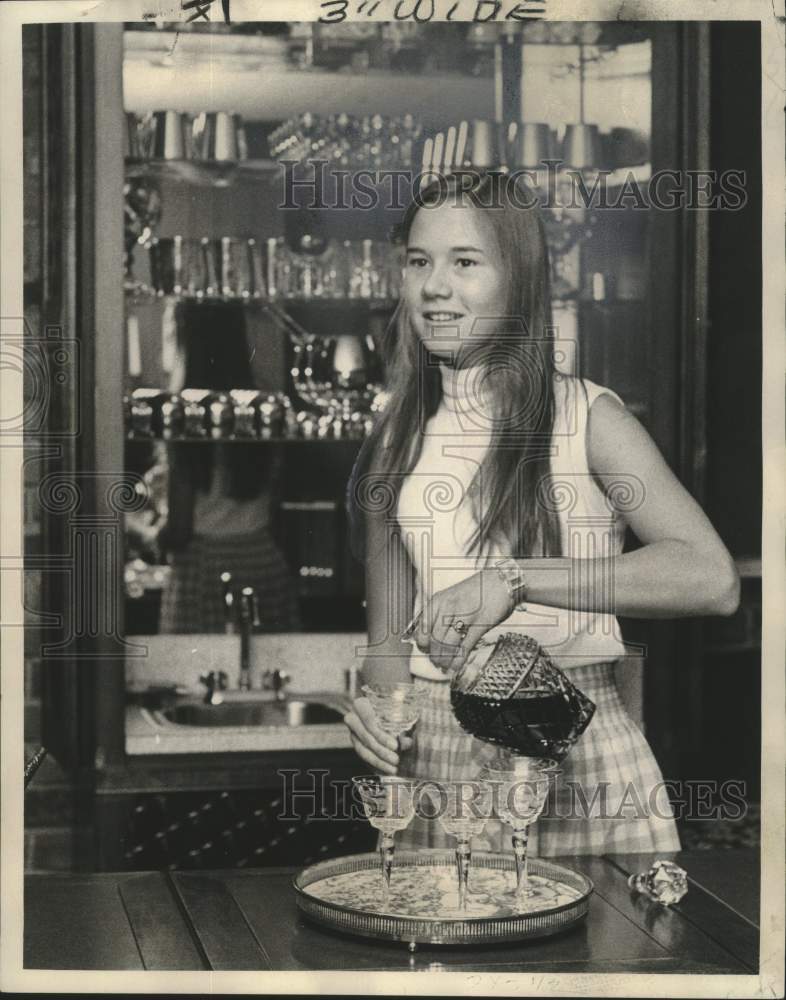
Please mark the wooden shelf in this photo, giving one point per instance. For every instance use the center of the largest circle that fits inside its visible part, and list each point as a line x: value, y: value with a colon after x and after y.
x: 357, y: 441
x: 202, y: 172
x: 316, y: 302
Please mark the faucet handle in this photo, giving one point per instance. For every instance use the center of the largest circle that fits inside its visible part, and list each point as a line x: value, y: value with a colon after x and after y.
x: 213, y: 681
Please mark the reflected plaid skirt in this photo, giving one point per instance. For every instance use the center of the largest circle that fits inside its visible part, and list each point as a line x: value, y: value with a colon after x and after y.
x: 193, y: 599
x: 609, y: 798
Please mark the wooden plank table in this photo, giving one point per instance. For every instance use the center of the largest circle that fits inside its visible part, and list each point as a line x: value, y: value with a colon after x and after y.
x: 248, y: 919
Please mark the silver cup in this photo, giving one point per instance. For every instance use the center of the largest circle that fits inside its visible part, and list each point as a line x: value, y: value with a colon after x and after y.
x: 581, y: 146
x: 237, y: 276
x: 169, y: 140
x: 219, y: 137
x: 195, y: 412
x: 245, y: 403
x: 485, y: 144
x: 532, y: 144
x: 166, y: 264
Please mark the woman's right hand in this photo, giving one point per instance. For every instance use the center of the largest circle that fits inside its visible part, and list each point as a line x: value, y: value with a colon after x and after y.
x: 375, y: 746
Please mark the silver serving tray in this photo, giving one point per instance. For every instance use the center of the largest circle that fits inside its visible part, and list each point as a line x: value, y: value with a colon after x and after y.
x: 441, y: 930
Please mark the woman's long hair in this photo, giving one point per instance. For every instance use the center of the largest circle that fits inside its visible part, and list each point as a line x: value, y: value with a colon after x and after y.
x: 517, y: 372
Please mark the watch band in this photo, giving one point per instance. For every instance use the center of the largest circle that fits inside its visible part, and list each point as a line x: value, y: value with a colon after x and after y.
x: 515, y: 581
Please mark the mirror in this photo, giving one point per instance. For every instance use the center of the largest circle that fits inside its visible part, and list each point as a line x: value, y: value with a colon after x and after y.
x: 253, y: 330
x: 258, y: 286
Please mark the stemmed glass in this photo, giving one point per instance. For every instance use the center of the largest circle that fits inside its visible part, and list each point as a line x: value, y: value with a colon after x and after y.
x: 463, y: 807
x: 388, y: 804
x: 521, y: 787
x: 397, y: 707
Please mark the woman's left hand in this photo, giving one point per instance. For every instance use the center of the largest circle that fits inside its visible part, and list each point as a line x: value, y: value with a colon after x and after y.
x: 475, y: 605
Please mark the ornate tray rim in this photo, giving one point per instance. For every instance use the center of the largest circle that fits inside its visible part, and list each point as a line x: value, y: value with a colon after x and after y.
x: 441, y: 930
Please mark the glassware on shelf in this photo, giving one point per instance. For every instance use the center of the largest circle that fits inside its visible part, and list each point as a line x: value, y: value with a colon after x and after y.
x: 195, y: 413
x: 193, y: 279
x: 389, y: 806
x: 239, y: 268
x: 238, y: 278
x: 581, y: 146
x: 158, y: 135
x: 533, y: 143
x: 219, y: 136
x: 463, y: 807
x: 520, y: 788
x: 245, y: 404
x: 172, y: 417
x: 242, y: 414
x: 377, y: 142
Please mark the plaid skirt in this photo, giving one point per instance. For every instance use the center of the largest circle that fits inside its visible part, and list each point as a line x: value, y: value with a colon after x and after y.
x: 193, y: 599
x: 608, y: 799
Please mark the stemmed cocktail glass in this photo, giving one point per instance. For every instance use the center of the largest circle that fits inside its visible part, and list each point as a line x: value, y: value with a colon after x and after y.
x: 397, y: 707
x: 389, y: 806
x: 462, y: 807
x: 521, y: 787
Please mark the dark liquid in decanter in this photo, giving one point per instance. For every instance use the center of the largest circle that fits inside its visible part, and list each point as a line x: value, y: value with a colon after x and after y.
x: 533, y: 723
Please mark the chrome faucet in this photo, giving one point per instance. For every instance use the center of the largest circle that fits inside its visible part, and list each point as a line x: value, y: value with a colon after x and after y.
x: 228, y: 602
x: 246, y: 609
x: 275, y: 680
x: 248, y: 620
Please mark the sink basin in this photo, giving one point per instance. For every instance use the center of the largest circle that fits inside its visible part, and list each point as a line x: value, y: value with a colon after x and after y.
x: 292, y: 712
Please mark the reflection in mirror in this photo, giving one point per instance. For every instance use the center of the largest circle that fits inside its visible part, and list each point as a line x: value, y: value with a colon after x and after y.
x: 211, y: 503
x: 253, y: 333
x: 266, y: 513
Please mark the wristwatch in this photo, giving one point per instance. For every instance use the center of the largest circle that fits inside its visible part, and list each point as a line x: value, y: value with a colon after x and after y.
x: 513, y: 575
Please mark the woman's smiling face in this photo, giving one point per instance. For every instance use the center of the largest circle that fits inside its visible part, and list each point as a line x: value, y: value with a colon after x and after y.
x: 454, y: 280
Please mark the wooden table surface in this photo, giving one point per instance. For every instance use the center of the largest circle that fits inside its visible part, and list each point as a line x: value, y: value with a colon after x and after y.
x: 248, y: 920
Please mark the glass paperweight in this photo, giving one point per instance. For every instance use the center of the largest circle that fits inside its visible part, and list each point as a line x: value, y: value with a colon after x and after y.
x: 511, y: 694
x: 664, y: 882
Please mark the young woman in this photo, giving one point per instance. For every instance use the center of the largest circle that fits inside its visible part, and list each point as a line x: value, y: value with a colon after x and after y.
x: 494, y: 495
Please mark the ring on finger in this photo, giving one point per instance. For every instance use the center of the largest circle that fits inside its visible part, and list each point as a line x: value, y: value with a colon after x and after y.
x: 459, y: 626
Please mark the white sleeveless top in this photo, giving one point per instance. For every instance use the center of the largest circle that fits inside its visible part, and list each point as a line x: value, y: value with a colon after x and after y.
x: 435, y: 515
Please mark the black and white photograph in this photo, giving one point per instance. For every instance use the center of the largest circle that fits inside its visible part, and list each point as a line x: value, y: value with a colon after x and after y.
x: 392, y: 447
